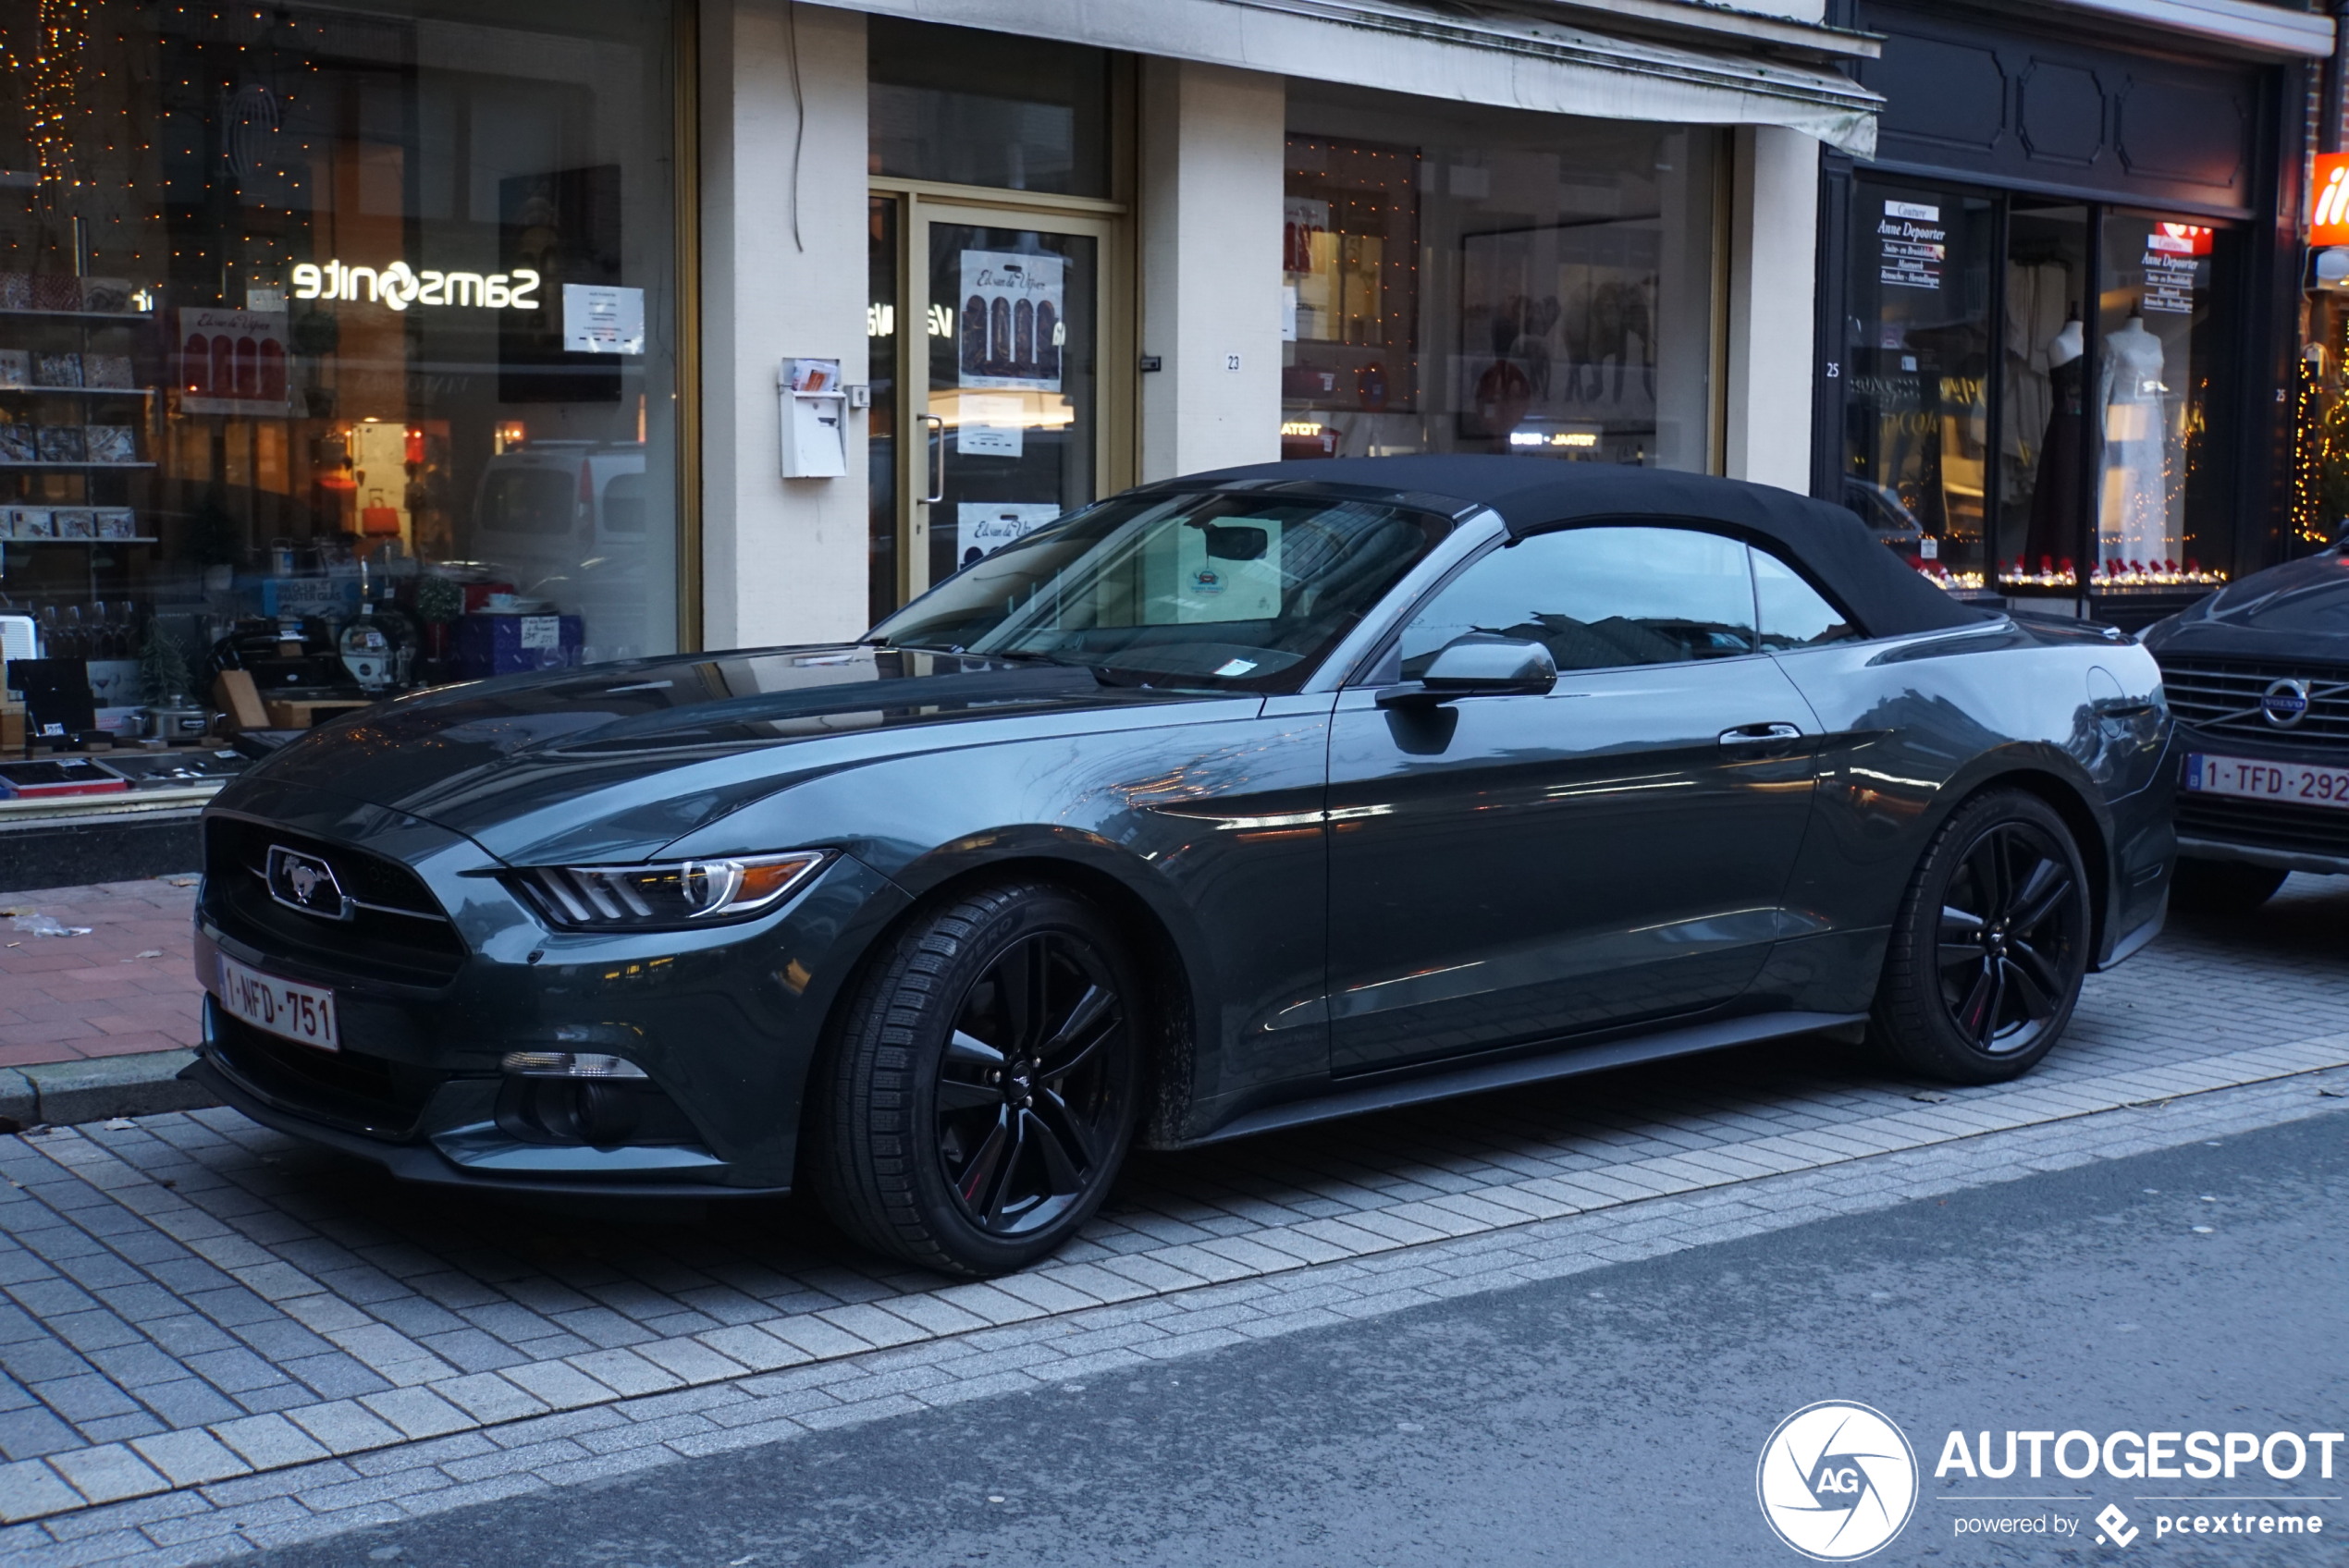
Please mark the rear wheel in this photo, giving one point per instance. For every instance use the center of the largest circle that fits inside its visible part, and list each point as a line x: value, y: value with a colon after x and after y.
x: 2223, y: 887
x: 980, y: 1098
x: 1990, y: 946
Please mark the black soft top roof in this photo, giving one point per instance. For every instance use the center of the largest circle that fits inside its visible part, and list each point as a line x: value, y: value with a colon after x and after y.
x: 1882, y: 591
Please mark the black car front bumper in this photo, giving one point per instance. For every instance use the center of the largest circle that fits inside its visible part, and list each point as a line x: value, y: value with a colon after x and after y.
x: 2270, y: 833
x: 723, y: 1023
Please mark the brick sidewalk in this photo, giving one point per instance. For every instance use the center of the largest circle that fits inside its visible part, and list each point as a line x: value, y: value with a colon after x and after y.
x: 129, y: 986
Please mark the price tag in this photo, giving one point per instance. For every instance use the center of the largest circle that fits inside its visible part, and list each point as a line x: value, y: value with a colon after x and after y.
x: 542, y: 632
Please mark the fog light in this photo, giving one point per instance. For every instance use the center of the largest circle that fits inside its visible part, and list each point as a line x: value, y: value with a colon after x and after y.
x: 569, y: 1064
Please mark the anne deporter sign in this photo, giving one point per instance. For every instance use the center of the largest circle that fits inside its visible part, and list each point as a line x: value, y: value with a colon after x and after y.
x: 1014, y: 321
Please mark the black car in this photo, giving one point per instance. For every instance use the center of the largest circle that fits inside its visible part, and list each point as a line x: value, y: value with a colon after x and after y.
x: 1224, y: 805
x: 2257, y: 676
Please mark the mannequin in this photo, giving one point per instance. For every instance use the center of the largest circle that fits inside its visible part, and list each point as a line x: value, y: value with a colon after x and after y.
x: 2055, y: 497
x: 2134, y: 515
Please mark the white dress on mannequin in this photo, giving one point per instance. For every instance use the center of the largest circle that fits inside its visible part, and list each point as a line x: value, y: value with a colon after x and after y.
x: 2133, y: 519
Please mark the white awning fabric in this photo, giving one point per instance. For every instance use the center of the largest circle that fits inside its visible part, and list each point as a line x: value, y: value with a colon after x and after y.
x: 1505, y: 59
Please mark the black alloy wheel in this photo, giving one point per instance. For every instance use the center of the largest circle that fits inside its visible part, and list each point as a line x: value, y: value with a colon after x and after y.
x: 1025, y: 1107
x: 979, y: 1098
x: 1988, y: 957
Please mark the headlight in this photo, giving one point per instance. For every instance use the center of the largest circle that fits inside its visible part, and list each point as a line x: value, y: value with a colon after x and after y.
x: 679, y: 893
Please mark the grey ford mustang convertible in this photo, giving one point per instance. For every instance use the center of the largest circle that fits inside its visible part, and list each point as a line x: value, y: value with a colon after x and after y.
x: 1224, y: 805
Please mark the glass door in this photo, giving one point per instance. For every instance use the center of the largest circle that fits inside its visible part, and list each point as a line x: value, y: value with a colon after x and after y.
x: 1916, y: 408
x: 990, y: 423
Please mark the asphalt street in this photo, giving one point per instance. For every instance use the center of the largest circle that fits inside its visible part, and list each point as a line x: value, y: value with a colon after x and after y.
x: 1610, y: 1417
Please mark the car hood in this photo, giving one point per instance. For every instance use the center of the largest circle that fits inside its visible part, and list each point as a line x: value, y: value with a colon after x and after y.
x: 618, y: 760
x: 2298, y: 611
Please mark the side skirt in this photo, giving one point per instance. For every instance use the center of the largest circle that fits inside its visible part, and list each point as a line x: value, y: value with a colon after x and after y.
x: 1569, y: 1062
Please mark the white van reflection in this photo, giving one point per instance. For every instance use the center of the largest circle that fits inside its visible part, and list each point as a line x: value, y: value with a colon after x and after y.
x: 569, y: 520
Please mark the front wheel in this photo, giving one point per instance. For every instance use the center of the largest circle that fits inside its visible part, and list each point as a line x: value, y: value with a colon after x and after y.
x: 980, y: 1096
x: 1990, y: 945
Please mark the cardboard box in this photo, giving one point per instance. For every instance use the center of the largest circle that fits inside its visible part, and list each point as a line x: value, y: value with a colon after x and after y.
x: 485, y: 646
x: 235, y: 694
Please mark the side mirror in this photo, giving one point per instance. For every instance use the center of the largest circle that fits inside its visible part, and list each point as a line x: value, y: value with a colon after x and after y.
x: 1494, y: 668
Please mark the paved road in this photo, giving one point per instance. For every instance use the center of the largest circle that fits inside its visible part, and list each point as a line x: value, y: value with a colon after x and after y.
x: 1611, y: 1417
x: 214, y: 1339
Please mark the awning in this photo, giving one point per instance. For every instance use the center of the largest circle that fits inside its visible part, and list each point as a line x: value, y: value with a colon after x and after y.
x: 1674, y: 62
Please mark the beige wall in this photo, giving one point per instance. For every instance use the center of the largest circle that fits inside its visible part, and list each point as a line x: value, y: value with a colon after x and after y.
x: 782, y: 559
x: 1773, y: 260
x: 1210, y: 221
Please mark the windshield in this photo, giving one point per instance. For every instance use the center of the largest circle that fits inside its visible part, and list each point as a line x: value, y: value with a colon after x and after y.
x: 1245, y: 592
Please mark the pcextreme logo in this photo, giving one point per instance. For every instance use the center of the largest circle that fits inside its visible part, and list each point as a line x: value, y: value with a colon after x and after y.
x: 1837, y: 1481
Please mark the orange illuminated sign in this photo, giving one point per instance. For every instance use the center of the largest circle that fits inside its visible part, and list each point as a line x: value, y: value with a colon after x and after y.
x: 2329, y: 200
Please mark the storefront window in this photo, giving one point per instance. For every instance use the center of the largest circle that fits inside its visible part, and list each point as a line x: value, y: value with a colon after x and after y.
x: 337, y: 345
x: 2162, y: 375
x: 2106, y: 476
x: 2042, y: 391
x: 1917, y: 359
x: 1457, y: 279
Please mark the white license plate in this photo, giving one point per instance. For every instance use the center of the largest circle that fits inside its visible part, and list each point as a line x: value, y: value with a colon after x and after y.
x: 2298, y: 783
x: 304, y: 1013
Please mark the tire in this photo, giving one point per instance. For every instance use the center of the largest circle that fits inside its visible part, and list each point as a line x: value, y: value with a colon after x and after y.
x: 1989, y: 947
x: 979, y: 1097
x: 2223, y: 887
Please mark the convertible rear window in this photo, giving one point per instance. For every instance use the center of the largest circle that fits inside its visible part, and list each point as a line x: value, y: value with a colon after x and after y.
x: 1241, y: 591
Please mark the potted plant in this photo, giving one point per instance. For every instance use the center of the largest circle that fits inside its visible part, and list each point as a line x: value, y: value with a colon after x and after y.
x: 438, y: 603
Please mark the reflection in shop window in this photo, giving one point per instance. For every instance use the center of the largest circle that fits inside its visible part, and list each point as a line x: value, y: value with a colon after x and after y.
x: 1498, y: 282
x: 1917, y: 354
x: 333, y: 344
x: 2162, y: 367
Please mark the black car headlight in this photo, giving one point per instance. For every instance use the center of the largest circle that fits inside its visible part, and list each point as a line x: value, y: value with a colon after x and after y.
x: 675, y: 893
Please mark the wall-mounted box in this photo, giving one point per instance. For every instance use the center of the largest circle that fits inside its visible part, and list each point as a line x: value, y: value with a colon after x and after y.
x: 815, y: 419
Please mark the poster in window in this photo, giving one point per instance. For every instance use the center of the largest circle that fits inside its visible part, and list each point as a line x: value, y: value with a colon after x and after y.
x: 232, y: 361
x: 1558, y: 333
x: 981, y: 527
x: 1014, y: 321
x: 1913, y: 244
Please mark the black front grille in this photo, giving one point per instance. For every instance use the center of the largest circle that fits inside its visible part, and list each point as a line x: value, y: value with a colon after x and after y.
x: 2264, y: 824
x: 363, y: 1094
x: 2222, y: 697
x: 400, y: 934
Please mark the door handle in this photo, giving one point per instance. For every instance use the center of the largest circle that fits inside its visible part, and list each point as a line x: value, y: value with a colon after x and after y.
x: 1761, y: 737
x: 937, y: 455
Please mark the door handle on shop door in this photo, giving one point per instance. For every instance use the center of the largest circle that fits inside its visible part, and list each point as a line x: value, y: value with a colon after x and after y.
x: 1761, y: 738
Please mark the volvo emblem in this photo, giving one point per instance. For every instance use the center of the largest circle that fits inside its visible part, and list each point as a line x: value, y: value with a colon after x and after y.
x: 304, y: 882
x: 2284, y: 703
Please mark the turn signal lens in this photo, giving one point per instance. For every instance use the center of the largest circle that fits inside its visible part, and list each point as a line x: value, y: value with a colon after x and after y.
x: 569, y: 1064
x: 621, y: 898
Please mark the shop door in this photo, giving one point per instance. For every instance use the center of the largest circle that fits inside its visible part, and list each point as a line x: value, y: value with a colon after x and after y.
x: 993, y: 423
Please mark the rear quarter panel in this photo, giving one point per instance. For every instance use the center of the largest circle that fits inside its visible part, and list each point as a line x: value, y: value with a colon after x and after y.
x: 1913, y: 726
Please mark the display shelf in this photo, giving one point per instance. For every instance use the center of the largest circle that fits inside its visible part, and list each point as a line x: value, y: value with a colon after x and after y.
x: 42, y: 539
x: 104, y: 318
x: 87, y: 391
x: 9, y: 464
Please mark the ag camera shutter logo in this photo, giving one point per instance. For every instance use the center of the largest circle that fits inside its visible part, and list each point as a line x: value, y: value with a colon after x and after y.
x: 1837, y: 1481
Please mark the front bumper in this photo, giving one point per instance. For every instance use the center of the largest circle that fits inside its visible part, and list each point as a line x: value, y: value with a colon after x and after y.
x: 724, y: 1022
x: 2269, y: 833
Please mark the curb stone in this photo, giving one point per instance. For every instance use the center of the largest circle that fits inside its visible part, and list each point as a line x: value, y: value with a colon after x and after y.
x: 62, y: 1092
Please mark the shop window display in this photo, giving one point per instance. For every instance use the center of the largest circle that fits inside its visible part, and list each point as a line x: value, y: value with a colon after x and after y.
x: 1917, y: 355
x: 336, y: 346
x: 2161, y: 370
x: 2095, y: 348
x: 1458, y: 279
